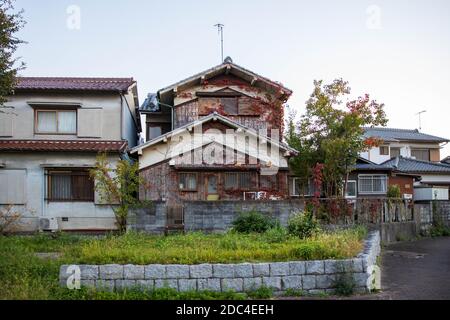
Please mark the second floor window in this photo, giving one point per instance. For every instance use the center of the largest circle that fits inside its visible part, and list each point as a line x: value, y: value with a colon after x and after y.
x: 384, y: 150
x: 56, y: 121
x: 421, y: 154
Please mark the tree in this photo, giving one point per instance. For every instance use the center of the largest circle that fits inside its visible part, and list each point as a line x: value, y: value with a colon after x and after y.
x: 10, y: 24
x: 332, y: 134
x: 118, y: 187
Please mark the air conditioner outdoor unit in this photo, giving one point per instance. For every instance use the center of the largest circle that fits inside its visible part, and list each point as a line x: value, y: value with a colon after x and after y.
x: 48, y: 224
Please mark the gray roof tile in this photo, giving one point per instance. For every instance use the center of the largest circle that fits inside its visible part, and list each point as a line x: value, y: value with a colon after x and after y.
x: 417, y: 166
x: 394, y: 135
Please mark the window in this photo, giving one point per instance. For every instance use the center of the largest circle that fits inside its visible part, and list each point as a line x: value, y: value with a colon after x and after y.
x: 56, y: 121
x: 395, y: 152
x: 238, y: 181
x: 384, y: 150
x: 230, y: 105
x: 421, y: 154
x: 268, y: 182
x: 154, y: 132
x: 301, y: 187
x: 372, y: 184
x: 188, y: 181
x: 351, y: 189
x: 208, y: 105
x: 70, y: 185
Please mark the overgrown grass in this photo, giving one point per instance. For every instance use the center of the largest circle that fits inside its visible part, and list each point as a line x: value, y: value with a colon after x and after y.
x: 23, y: 275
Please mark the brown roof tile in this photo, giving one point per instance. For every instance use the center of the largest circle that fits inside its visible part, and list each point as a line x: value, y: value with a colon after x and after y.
x: 63, y: 83
x: 63, y: 145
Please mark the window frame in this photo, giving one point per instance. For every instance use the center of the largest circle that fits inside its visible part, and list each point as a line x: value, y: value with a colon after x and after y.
x: 56, y: 111
x: 372, y: 176
x: 195, y: 174
x: 149, y: 126
x: 356, y: 189
x: 238, y: 180
x: 72, y: 172
x: 385, y: 148
x: 421, y: 149
x: 310, y: 194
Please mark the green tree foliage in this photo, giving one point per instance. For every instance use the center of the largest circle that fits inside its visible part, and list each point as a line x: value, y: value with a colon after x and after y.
x: 331, y: 133
x: 10, y: 24
x: 118, y: 186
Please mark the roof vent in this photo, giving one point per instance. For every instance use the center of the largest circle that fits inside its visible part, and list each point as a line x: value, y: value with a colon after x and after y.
x: 228, y: 60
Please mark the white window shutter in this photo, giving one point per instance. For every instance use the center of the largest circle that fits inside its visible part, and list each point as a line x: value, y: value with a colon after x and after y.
x: 12, y: 186
x: 6, y: 122
x: 90, y: 123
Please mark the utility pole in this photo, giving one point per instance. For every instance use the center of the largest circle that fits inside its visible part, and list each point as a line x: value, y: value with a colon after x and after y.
x: 220, y: 30
x: 420, y: 118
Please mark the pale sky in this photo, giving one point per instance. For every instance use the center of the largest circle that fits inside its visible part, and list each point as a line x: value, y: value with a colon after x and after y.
x: 397, y: 51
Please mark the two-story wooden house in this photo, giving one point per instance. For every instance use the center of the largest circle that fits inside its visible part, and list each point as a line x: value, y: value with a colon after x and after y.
x: 51, y: 130
x: 215, y: 136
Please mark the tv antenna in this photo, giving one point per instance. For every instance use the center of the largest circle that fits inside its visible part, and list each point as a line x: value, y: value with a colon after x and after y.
x: 420, y: 118
x: 220, y: 30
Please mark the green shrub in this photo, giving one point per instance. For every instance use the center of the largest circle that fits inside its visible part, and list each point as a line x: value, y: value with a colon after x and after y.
x: 394, y: 192
x: 294, y: 293
x: 303, y: 225
x: 439, y: 230
x: 276, y: 234
x: 253, y: 222
x: 344, y: 285
x: 261, y: 293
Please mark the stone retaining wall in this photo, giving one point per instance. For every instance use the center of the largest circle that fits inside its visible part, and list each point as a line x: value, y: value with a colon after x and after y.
x: 309, y: 276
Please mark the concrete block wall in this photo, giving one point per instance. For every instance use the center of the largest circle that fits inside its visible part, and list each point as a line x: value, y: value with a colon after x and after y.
x: 309, y: 276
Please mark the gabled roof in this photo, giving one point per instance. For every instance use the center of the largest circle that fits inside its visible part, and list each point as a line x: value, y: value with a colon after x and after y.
x: 74, y: 84
x: 227, y: 66
x: 417, y: 166
x: 446, y: 160
x: 364, y: 164
x: 212, y: 117
x: 63, y: 145
x: 398, y: 135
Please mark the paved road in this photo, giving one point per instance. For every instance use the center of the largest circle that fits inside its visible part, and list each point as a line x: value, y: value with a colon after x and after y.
x: 416, y: 270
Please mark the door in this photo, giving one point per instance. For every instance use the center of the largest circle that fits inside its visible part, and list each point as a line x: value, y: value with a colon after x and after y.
x: 211, y: 188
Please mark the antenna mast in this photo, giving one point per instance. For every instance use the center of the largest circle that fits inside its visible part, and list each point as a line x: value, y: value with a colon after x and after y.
x: 220, y: 30
x: 420, y: 118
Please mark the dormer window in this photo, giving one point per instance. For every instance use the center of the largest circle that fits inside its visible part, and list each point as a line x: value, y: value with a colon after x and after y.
x: 56, y: 122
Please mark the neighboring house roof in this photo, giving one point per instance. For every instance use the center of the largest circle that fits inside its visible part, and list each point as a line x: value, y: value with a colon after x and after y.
x: 446, y: 160
x: 417, y: 166
x: 63, y: 145
x: 226, y: 67
x: 397, y: 135
x: 212, y: 117
x: 74, y: 84
x: 150, y: 104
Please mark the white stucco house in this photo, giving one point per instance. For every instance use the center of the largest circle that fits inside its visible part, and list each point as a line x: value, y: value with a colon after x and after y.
x: 413, y: 152
x: 51, y: 130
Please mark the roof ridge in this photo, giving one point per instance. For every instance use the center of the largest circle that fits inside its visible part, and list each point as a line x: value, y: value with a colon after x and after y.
x: 392, y: 129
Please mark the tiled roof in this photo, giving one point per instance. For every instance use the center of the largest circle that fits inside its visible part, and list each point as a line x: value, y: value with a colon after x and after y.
x: 395, y: 135
x: 72, y: 84
x: 63, y: 145
x: 417, y: 166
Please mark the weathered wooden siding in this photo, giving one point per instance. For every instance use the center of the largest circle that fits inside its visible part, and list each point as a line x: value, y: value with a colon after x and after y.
x: 256, y: 110
x: 161, y: 183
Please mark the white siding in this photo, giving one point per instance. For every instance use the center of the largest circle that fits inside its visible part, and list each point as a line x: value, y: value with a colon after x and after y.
x: 12, y: 186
